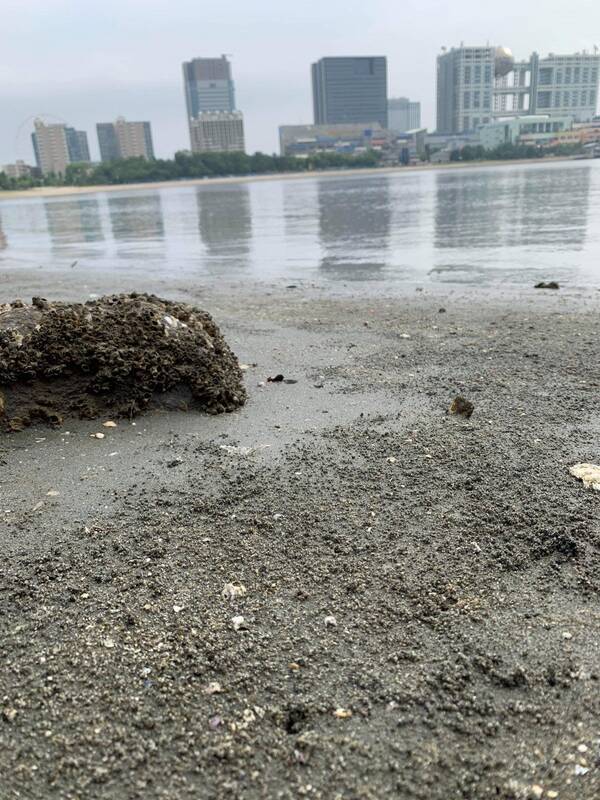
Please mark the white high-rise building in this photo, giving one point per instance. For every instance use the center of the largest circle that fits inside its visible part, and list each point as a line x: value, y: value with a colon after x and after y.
x: 476, y: 85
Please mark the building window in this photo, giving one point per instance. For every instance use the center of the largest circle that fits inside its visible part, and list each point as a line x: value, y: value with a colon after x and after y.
x: 544, y: 99
x: 585, y: 76
x: 545, y: 76
x: 557, y: 97
x: 476, y: 99
x: 477, y: 73
x: 465, y: 123
x: 594, y: 75
x: 568, y: 75
x: 467, y: 100
x: 576, y: 73
x: 559, y: 76
x: 467, y: 74
x: 488, y: 73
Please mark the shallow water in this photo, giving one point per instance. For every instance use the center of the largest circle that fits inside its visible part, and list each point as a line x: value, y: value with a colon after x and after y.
x: 509, y: 224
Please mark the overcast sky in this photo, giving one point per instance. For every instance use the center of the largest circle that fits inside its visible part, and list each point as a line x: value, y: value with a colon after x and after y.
x: 84, y: 61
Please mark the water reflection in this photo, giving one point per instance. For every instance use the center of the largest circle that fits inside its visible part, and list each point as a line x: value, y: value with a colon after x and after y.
x: 354, y: 227
x: 512, y: 209
x: 509, y: 223
x: 225, y: 224
x: 136, y: 216
x: 73, y: 222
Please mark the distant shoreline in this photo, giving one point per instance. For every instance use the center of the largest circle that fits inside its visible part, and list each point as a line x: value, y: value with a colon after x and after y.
x: 65, y: 191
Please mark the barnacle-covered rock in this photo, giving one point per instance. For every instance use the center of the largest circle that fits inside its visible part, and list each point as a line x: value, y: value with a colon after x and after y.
x: 118, y: 354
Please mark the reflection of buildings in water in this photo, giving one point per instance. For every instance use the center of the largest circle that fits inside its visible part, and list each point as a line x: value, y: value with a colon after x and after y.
x: 467, y: 209
x: 554, y: 205
x: 354, y: 225
x: 137, y: 216
x: 3, y: 241
x: 73, y: 221
x: 487, y: 209
x: 225, y: 224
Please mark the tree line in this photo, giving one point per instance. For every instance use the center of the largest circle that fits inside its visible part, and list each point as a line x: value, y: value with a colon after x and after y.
x: 189, y: 165
x: 512, y: 152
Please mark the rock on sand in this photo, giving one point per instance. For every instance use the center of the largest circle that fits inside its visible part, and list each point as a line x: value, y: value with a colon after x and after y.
x: 117, y: 354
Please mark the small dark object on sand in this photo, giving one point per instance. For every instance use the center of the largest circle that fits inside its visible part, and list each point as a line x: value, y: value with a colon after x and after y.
x: 442, y: 311
x: 461, y: 406
x: 276, y: 379
x: 118, y: 354
x: 291, y: 286
x: 547, y: 285
x: 175, y: 463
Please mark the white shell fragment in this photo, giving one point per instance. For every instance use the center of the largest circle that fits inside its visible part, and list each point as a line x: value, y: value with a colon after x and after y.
x: 588, y: 473
x: 233, y: 590
x: 238, y: 622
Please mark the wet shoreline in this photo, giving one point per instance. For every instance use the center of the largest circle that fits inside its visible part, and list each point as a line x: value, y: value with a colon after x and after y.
x: 420, y: 614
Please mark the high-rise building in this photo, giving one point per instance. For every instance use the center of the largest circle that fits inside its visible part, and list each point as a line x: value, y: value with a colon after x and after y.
x: 77, y: 145
x: 213, y: 120
x: 476, y: 85
x: 122, y: 139
x: 350, y: 89
x: 403, y: 114
x: 56, y: 146
x: 217, y: 132
x: 208, y: 85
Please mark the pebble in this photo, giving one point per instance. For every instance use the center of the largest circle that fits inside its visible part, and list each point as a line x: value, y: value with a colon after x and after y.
x: 330, y: 621
x: 108, y: 643
x: 342, y: 713
x: 96, y: 436
x: 109, y: 424
x: 238, y: 622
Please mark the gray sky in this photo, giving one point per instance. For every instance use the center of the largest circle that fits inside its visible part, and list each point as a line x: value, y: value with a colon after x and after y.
x: 85, y: 61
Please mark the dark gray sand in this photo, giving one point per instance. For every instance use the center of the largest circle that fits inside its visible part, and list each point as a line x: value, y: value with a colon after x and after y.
x: 374, y: 599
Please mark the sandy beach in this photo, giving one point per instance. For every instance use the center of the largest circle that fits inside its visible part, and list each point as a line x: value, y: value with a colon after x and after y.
x: 420, y: 614
x: 65, y: 191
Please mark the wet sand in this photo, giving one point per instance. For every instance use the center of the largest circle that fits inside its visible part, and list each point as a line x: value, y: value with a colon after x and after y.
x: 421, y: 615
x: 66, y: 191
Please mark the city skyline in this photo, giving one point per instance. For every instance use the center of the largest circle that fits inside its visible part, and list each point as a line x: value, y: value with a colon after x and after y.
x: 64, y: 73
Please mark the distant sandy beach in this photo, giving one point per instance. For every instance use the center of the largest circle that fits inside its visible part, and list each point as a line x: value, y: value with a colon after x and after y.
x: 64, y: 191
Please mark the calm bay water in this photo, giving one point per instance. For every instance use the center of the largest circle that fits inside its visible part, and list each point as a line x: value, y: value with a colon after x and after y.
x: 509, y: 224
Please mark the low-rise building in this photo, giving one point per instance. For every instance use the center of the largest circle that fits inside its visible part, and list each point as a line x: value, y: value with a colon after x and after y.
x: 529, y: 129
x: 217, y: 132
x: 345, y: 138
x: 19, y: 170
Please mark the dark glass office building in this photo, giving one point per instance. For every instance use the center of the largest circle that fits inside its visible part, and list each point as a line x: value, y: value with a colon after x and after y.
x: 350, y: 89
